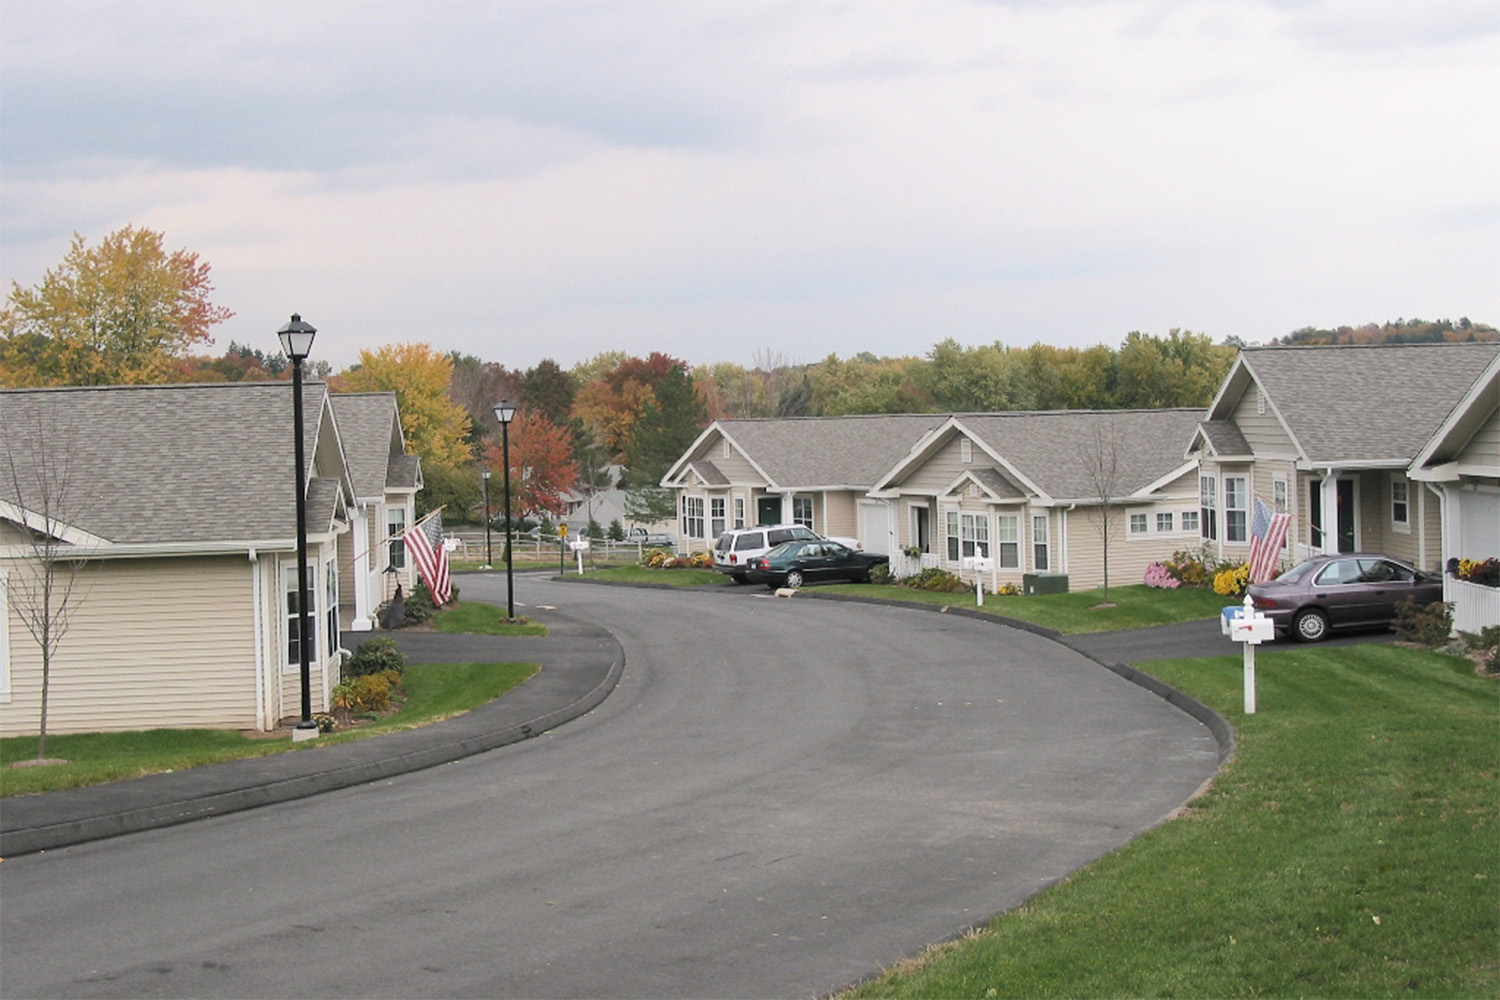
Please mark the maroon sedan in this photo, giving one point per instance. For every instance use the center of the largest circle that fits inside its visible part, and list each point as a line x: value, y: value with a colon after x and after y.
x: 1347, y: 590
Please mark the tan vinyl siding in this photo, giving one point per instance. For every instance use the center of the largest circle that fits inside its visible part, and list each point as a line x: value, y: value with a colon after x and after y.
x: 842, y: 514
x: 1262, y: 431
x: 938, y: 472
x: 736, y: 468
x: 155, y: 642
x: 10, y: 534
x: 1484, y: 447
x: 1128, y: 556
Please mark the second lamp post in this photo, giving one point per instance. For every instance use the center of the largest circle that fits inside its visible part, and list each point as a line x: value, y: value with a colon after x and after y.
x: 505, y: 413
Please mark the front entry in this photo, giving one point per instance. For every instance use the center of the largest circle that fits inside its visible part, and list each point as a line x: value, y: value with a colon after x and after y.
x: 768, y: 510
x: 1347, y: 540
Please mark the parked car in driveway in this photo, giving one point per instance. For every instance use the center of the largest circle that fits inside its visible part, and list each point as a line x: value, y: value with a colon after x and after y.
x: 793, y: 564
x: 735, y: 548
x: 1342, y: 591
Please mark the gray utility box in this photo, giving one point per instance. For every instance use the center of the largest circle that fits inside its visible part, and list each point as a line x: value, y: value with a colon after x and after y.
x: 1044, y: 583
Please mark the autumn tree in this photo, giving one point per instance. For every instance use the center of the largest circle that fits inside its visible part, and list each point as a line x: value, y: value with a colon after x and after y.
x: 436, y: 427
x: 477, y: 386
x: 548, y: 390
x: 122, y: 312
x: 667, y: 425
x: 1181, y: 369
x: 541, y: 465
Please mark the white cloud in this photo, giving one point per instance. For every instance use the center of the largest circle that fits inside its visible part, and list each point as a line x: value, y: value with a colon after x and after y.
x: 523, y: 180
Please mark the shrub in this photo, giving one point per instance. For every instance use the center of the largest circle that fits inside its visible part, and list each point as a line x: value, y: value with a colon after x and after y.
x: 881, y: 573
x: 1427, y: 624
x: 1232, y: 580
x: 1158, y: 575
x: 701, y: 560
x: 655, y: 558
x: 934, y: 579
x: 1189, y: 569
x: 419, y: 606
x: 1008, y: 590
x: 375, y: 656
x: 616, y: 531
x: 326, y: 722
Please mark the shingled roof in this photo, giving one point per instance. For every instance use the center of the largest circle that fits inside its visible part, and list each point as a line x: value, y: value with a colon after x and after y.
x: 1352, y: 404
x: 166, y: 464
x: 825, y: 452
x: 370, y: 428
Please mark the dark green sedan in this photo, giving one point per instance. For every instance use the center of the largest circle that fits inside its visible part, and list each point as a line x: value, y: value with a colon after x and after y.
x: 794, y: 564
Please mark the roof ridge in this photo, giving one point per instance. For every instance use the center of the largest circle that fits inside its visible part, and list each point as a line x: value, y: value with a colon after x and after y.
x: 144, y: 386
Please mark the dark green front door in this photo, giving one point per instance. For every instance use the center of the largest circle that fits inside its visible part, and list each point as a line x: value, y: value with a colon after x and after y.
x: 768, y: 510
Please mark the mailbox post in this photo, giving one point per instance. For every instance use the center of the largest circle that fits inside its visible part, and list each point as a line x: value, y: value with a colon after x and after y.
x: 580, y: 546
x: 980, y: 565
x: 1245, y: 626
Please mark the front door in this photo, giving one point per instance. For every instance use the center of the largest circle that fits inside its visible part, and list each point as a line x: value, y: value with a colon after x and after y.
x: 1348, y: 541
x: 768, y: 510
x: 924, y: 529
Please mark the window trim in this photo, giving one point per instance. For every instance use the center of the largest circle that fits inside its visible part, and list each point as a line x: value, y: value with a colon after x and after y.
x: 1208, y: 508
x: 292, y: 662
x: 965, y: 451
x: 1041, y: 550
x: 739, y: 513
x: 1171, y: 522
x: 692, y: 517
x: 1007, y: 550
x: 718, y: 516
x: 331, y: 596
x: 1134, y: 518
x: 1182, y: 521
x: 395, y: 554
x: 806, y: 520
x: 1237, y: 526
x: 1402, y: 523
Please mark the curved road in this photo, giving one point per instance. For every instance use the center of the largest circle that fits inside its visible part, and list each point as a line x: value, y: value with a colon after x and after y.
x: 780, y: 798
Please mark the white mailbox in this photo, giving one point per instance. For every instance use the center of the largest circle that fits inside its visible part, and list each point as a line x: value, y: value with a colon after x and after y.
x: 1244, y: 625
x: 979, y: 564
x: 581, y: 545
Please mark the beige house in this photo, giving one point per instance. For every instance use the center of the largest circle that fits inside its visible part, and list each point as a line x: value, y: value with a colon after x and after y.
x: 812, y: 471
x: 1028, y: 490
x: 178, y: 503
x: 1460, y: 464
x: 1329, y: 434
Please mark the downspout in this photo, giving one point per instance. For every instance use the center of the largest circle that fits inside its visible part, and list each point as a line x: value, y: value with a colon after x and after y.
x: 260, y: 652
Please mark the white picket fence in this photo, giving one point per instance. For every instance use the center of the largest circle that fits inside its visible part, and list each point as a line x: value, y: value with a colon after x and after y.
x: 1475, y: 607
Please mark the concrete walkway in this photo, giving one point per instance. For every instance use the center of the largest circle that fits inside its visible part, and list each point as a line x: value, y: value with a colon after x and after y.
x: 581, y: 664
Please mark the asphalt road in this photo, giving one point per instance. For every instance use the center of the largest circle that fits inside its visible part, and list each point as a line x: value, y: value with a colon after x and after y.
x: 781, y: 797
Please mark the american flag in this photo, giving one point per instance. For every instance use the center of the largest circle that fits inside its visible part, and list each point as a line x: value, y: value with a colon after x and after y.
x: 424, y: 540
x: 1267, y: 535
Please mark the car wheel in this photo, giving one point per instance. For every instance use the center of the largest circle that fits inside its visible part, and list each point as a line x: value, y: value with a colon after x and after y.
x: 738, y: 578
x: 794, y: 579
x: 1310, y: 625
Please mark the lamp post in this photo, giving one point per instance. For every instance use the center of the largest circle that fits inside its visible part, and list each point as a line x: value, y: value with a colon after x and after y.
x: 505, y: 413
x: 489, y: 559
x: 296, y: 343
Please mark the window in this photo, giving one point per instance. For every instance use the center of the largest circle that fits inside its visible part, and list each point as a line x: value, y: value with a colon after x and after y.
x: 739, y: 512
x: 1401, y: 504
x: 1236, y: 509
x: 716, y: 517
x: 1279, y: 495
x: 1164, y: 522
x: 294, y: 617
x: 1190, y: 520
x: 1138, y: 524
x: 976, y: 534
x: 802, y: 511
x: 692, y: 517
x: 1007, y: 534
x: 965, y: 450
x: 331, y: 597
x: 1208, y: 507
x: 395, y: 527
x: 1040, y: 543
x: 724, y: 451
x: 952, y: 521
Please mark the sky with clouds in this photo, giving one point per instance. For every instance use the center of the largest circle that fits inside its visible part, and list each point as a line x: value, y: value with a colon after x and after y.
x: 737, y: 181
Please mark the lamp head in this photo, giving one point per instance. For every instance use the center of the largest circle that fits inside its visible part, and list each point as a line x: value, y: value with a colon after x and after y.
x: 296, y: 339
x: 504, y: 411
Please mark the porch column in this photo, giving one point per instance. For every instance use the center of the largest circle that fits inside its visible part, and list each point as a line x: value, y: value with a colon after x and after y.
x: 359, y: 538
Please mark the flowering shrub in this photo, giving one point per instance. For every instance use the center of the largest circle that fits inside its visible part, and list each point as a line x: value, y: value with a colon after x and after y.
x: 366, y: 693
x: 1188, y: 569
x: 1158, y: 575
x: 932, y: 578
x: 656, y: 558
x: 701, y: 560
x: 1232, y: 580
x: 1484, y: 572
x: 1008, y: 590
x: 662, y: 559
x: 325, y: 722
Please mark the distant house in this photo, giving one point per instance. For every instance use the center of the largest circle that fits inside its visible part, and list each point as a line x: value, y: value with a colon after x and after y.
x: 181, y: 506
x: 1460, y: 462
x: 1018, y: 489
x: 386, y: 480
x: 1329, y: 434
x: 804, y: 470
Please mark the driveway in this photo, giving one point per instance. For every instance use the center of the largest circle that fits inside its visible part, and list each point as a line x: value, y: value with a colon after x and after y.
x: 779, y: 798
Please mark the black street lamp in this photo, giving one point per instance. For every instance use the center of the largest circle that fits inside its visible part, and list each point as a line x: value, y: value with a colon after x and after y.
x: 296, y: 344
x: 505, y: 413
x: 489, y: 559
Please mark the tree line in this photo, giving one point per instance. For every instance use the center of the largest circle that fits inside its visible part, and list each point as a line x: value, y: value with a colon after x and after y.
x: 127, y: 311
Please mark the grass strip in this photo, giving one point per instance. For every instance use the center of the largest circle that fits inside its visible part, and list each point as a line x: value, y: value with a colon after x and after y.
x: 1350, y: 850
x: 663, y: 577
x: 482, y: 619
x: 434, y: 691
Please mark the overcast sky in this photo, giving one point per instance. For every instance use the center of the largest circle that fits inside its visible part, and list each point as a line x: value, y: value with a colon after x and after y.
x: 724, y: 181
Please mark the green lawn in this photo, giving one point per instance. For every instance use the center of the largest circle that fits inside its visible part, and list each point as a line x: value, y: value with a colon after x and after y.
x: 637, y: 573
x: 482, y: 619
x: 1134, y: 606
x: 1351, y: 849
x: 434, y: 691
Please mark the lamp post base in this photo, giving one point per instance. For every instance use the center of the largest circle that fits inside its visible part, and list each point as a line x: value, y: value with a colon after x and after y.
x: 305, y: 733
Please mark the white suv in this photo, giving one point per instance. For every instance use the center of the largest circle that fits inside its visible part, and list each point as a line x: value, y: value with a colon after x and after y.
x: 739, y: 545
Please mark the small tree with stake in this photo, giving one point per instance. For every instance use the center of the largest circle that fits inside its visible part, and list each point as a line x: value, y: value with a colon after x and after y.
x: 42, y: 587
x: 1100, y: 457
